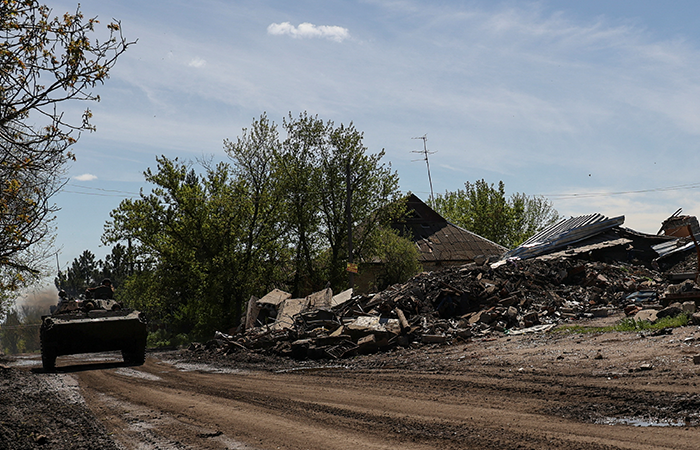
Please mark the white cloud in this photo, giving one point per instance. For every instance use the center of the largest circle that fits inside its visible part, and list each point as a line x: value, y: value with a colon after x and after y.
x: 85, y: 177
x: 197, y: 63
x: 509, y: 91
x: 309, y: 30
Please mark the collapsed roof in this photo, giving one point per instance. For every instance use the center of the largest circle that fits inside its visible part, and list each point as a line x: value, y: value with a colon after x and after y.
x: 440, y: 241
x: 563, y: 234
x: 604, y: 238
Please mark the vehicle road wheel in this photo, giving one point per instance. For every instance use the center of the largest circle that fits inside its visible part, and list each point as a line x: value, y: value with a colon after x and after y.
x: 134, y: 355
x: 48, y: 359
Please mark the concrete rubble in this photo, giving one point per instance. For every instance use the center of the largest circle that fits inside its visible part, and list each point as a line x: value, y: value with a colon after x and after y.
x: 455, y: 304
x: 582, y: 267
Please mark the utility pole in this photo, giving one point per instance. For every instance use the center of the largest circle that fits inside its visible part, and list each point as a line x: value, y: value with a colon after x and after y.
x: 58, y: 276
x: 348, y: 214
x: 427, y: 163
x: 131, y: 257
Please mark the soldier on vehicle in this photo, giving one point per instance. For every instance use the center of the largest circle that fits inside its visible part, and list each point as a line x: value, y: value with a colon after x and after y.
x: 104, y: 292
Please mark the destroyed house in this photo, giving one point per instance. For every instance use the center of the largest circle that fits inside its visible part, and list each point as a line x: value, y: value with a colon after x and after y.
x: 686, y: 230
x: 680, y: 226
x: 440, y: 242
x: 593, y: 237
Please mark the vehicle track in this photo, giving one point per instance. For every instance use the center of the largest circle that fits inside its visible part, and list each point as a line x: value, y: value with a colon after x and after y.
x: 480, y: 407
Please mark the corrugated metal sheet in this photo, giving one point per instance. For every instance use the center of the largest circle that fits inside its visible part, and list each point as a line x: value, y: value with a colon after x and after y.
x: 668, y: 248
x: 587, y: 248
x: 563, y: 234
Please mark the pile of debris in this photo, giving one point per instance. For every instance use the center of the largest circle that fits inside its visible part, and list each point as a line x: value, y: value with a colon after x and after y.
x: 687, y: 265
x: 586, y: 266
x: 456, y: 303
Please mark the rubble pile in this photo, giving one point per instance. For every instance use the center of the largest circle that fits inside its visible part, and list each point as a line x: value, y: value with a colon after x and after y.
x: 456, y: 303
x: 687, y: 265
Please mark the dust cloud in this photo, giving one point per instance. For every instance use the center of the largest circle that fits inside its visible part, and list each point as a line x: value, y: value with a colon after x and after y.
x: 37, y: 301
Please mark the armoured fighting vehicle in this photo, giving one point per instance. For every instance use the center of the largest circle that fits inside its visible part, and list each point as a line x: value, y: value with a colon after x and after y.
x: 89, y: 326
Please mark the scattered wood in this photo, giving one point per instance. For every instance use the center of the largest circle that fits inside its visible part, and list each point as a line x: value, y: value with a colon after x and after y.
x: 464, y: 302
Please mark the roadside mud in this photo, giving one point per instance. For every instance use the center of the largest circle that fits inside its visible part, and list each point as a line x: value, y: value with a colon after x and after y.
x: 544, y: 390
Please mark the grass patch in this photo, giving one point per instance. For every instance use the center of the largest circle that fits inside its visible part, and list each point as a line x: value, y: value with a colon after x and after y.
x: 163, y: 339
x: 632, y: 325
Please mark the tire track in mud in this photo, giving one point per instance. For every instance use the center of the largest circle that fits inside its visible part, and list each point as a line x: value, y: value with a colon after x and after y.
x: 366, y: 409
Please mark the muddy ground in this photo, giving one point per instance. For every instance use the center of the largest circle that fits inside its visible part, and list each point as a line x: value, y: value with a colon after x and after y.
x: 531, y: 391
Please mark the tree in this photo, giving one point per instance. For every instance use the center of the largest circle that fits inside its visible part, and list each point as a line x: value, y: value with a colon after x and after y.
x: 117, y: 266
x: 10, y: 333
x: 346, y: 166
x: 320, y: 164
x: 399, y: 256
x: 255, y: 158
x: 169, y: 226
x: 85, y: 271
x: 537, y: 213
x: 307, y: 137
x: 272, y: 216
x: 486, y: 211
x: 196, y: 228
x: 19, y: 329
x: 44, y: 62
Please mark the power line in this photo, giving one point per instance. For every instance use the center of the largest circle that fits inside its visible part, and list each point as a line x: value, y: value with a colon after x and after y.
x: 425, y: 152
x: 102, y: 189
x: 107, y: 192
x: 608, y: 194
x: 679, y: 187
x: 96, y: 194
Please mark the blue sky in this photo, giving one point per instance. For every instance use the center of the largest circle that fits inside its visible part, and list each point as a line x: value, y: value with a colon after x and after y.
x: 587, y: 103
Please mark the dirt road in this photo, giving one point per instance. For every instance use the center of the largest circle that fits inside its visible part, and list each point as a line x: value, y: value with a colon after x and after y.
x: 525, y: 392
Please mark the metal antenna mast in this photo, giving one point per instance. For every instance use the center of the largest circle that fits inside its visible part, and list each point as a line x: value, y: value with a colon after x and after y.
x: 427, y: 163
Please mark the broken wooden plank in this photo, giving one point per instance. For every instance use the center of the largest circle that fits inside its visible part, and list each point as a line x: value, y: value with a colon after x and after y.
x: 402, y: 320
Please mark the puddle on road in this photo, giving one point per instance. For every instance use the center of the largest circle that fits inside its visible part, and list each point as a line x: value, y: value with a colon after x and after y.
x: 32, y: 360
x: 642, y: 422
x: 311, y: 369
x: 95, y: 357
x: 191, y: 367
x: 25, y: 361
x: 137, y: 374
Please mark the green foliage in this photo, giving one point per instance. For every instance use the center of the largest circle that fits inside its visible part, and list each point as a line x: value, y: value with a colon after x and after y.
x: 11, y: 334
x: 44, y: 62
x: 345, y: 165
x: 162, y: 338
x: 82, y: 274
x: 274, y: 216
x: 116, y: 266
x: 400, y: 258
x: 19, y: 332
x: 486, y: 211
x: 629, y: 324
x: 300, y: 170
x: 320, y: 164
x: 195, y: 227
x: 85, y: 271
x: 142, y: 291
